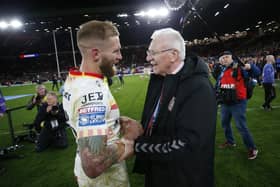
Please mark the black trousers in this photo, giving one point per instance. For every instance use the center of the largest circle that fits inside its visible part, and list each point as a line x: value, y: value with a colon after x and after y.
x: 121, y: 79
x: 55, y: 84
x: 269, y: 94
x: 47, y: 137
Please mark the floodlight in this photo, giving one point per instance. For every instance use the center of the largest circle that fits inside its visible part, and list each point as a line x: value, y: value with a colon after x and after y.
x: 16, y: 24
x: 142, y: 13
x: 227, y: 5
x: 152, y: 13
x: 163, y: 12
x: 123, y: 15
x: 3, y: 25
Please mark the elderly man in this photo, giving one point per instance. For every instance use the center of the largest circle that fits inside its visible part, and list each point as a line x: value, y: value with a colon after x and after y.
x: 179, y: 117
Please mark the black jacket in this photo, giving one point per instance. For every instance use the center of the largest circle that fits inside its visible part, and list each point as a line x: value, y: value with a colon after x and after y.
x: 56, y: 114
x: 180, y: 151
x: 40, y: 100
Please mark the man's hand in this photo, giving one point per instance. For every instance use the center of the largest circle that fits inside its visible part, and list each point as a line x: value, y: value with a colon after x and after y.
x: 1, y: 115
x: 34, y: 100
x: 49, y: 108
x: 130, y: 128
x: 128, y: 149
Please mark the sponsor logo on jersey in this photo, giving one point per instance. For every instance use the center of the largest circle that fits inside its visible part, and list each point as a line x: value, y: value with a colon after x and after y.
x: 92, y: 116
x: 93, y: 119
x: 93, y: 96
x: 67, y: 95
x: 94, y: 109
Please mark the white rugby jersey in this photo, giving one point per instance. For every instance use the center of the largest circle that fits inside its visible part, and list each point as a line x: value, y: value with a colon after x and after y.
x: 90, y: 106
x: 92, y: 111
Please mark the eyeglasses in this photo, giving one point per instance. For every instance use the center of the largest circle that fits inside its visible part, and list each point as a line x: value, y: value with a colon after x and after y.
x: 153, y: 53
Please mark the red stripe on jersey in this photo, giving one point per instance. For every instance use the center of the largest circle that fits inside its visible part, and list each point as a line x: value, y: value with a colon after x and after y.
x: 78, y: 73
x: 114, y: 106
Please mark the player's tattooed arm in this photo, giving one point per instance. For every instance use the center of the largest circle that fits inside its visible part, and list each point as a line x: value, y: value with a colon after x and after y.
x: 96, y: 156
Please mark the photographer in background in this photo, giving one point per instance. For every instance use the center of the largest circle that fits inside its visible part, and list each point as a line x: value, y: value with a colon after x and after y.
x: 233, y: 94
x: 50, y: 122
x: 38, y: 98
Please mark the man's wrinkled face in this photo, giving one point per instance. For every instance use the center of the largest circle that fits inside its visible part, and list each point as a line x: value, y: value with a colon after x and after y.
x: 158, y: 56
x: 110, y: 56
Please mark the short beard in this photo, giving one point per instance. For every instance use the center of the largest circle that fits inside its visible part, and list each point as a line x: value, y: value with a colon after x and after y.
x: 107, y: 68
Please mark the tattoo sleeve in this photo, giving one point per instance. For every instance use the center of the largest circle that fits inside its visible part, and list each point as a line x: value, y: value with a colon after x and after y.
x: 96, y: 155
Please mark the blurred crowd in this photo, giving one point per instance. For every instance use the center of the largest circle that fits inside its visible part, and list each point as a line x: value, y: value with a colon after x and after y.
x: 248, y: 49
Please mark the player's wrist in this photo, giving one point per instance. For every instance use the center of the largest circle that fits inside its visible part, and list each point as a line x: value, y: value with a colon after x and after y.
x: 128, y: 149
x: 120, y: 148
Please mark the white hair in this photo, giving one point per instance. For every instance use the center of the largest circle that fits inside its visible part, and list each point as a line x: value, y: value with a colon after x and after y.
x: 39, y: 86
x: 173, y: 39
x: 270, y: 58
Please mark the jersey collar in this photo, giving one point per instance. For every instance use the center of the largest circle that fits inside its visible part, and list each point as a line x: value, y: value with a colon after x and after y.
x: 76, y: 72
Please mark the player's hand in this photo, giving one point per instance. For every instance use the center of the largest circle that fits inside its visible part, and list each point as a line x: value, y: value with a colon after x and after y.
x: 128, y: 149
x: 130, y: 128
x: 1, y: 115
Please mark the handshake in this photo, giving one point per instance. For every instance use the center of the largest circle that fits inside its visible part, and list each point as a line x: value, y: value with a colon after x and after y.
x: 130, y: 129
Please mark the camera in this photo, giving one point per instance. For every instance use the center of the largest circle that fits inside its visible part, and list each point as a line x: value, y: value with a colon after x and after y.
x: 226, y: 96
x: 37, y: 98
x: 54, y: 110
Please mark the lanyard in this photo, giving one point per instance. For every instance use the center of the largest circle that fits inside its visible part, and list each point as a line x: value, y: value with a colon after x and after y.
x: 153, y: 117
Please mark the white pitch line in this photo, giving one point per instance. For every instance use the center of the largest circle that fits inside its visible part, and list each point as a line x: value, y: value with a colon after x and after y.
x: 4, y: 133
x: 261, y: 108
